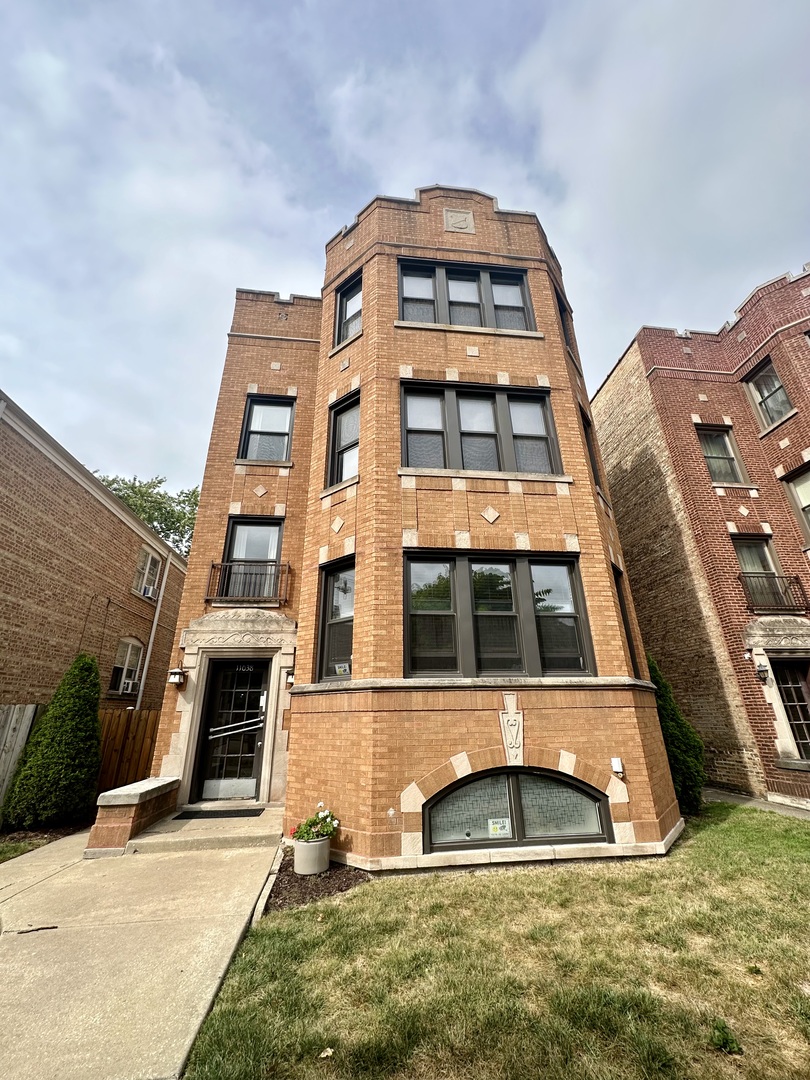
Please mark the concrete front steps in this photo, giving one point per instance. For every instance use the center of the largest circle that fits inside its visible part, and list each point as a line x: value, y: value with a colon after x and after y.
x: 206, y: 834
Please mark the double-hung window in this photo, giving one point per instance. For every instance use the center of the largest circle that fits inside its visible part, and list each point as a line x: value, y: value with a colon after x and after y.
x: 126, y: 667
x: 770, y: 397
x: 251, y: 570
x: 721, y: 458
x: 482, y: 431
x: 799, y: 488
x: 338, y: 622
x: 473, y: 615
x: 147, y: 572
x: 344, y: 441
x: 349, y: 310
x: 464, y: 296
x: 266, y: 429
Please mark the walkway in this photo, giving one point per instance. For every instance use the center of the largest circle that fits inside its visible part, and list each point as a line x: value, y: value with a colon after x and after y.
x: 109, y: 966
x: 717, y: 795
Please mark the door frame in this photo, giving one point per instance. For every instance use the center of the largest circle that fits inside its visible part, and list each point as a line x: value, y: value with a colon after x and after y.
x: 198, y: 779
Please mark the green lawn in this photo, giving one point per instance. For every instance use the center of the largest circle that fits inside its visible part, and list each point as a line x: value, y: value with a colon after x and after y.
x: 11, y: 849
x: 625, y: 970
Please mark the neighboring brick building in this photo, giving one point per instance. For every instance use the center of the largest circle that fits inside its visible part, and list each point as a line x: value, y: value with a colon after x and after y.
x: 79, y: 572
x: 485, y: 698
x: 706, y: 441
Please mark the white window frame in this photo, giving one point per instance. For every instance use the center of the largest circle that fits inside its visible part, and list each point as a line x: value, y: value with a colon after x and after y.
x: 128, y: 648
x: 147, y: 572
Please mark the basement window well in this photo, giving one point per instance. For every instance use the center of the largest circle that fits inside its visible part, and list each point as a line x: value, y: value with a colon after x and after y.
x: 514, y: 807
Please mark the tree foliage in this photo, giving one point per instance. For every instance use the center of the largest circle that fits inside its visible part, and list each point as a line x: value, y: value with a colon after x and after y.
x: 172, y: 516
x: 55, y: 781
x: 684, y: 745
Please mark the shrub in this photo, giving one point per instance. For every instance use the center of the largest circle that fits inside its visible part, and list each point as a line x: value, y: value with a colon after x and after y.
x: 684, y: 745
x: 55, y: 781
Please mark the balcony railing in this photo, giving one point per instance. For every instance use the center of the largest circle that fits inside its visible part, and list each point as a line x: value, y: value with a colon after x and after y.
x: 774, y: 593
x: 249, y: 582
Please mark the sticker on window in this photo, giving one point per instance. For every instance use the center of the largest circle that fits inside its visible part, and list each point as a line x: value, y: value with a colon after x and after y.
x: 343, y: 669
x: 499, y: 826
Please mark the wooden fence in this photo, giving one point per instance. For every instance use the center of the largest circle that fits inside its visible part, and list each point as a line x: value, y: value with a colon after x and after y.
x: 127, y: 744
x: 16, y: 722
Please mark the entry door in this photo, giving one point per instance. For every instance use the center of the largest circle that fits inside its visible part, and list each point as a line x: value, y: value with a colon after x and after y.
x: 791, y: 678
x: 233, y: 732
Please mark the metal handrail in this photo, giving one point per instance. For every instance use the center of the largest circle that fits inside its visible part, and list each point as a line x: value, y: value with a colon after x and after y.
x: 774, y: 592
x: 250, y: 581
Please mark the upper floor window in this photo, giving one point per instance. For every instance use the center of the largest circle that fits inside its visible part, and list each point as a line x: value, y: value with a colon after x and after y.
x: 799, y: 488
x: 770, y: 397
x: 720, y: 454
x: 765, y: 587
x: 266, y: 430
x: 127, y: 666
x: 344, y: 452
x: 349, y: 310
x: 590, y: 446
x: 492, y: 431
x: 464, y: 296
x: 338, y: 622
x: 251, y: 570
x: 147, y: 573
x: 473, y: 615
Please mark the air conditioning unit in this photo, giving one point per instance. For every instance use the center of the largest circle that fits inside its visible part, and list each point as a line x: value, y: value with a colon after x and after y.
x: 150, y: 592
x: 130, y: 686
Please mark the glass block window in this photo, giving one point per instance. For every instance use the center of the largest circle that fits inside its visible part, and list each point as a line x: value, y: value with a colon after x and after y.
x: 517, y: 806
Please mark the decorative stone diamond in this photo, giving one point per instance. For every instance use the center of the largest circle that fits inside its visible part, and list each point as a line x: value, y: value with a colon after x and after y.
x: 337, y: 524
x: 260, y: 490
x: 744, y: 511
x: 490, y: 514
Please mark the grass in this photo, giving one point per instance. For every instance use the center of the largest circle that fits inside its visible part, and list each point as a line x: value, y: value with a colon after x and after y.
x: 692, y: 967
x: 11, y: 849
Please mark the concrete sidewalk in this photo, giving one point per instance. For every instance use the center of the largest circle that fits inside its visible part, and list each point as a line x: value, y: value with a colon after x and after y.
x: 109, y: 966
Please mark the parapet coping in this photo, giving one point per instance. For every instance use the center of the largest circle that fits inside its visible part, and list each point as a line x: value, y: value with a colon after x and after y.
x: 593, y: 682
x: 140, y: 792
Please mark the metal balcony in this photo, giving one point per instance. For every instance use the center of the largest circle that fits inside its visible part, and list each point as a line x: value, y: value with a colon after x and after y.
x: 772, y: 593
x: 249, y: 582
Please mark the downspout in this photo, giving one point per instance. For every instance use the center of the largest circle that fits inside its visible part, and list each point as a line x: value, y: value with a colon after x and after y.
x: 153, y: 631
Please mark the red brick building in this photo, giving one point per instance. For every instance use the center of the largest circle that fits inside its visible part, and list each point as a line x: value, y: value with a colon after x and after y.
x: 706, y: 442
x: 79, y: 572
x: 405, y: 595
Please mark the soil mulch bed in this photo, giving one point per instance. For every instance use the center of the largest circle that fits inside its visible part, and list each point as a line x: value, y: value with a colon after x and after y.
x: 39, y: 836
x: 294, y: 890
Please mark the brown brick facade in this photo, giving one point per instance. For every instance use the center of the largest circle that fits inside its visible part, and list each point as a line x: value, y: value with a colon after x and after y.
x: 678, y: 526
x: 70, y: 554
x: 362, y: 745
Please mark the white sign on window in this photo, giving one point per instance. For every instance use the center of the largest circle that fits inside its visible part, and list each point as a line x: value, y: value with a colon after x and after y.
x: 343, y: 669
x: 499, y: 826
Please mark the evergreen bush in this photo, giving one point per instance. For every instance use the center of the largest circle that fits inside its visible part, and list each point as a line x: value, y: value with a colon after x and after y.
x: 684, y: 745
x: 55, y: 781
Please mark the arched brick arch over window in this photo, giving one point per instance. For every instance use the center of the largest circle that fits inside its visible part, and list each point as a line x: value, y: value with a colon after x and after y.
x: 552, y: 763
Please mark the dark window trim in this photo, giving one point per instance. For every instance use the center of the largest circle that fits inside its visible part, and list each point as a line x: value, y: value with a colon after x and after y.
x: 484, y: 274
x: 524, y: 598
x: 345, y: 291
x: 505, y: 438
x: 618, y: 581
x: 599, y: 797
x: 744, y: 480
x: 348, y: 401
x: 590, y: 447
x: 765, y: 423
x: 265, y: 399
x: 795, y: 504
x: 252, y: 519
x: 326, y: 571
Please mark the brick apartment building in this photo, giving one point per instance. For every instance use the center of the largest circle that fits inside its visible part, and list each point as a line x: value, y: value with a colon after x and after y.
x: 79, y: 571
x: 706, y: 442
x: 405, y: 595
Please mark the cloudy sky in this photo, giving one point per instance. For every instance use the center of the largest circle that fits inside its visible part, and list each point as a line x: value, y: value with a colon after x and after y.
x: 157, y: 154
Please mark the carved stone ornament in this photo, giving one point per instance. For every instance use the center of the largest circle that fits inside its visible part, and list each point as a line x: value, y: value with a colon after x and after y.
x: 778, y: 632
x: 240, y: 626
x: 512, y: 730
x: 459, y: 221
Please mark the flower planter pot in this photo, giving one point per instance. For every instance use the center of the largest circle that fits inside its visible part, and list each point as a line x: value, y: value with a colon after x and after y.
x: 311, y: 856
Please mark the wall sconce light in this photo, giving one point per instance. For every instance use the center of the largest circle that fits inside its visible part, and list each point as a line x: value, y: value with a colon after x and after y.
x: 763, y: 672
x: 617, y: 765
x: 177, y: 677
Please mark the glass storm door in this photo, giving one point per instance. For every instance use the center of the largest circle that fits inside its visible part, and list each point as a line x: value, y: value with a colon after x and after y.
x: 234, y: 729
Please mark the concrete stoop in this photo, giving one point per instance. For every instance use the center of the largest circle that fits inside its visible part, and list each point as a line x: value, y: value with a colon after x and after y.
x: 208, y: 834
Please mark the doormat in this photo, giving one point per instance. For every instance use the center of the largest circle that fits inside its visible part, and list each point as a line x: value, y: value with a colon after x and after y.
x: 250, y: 812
